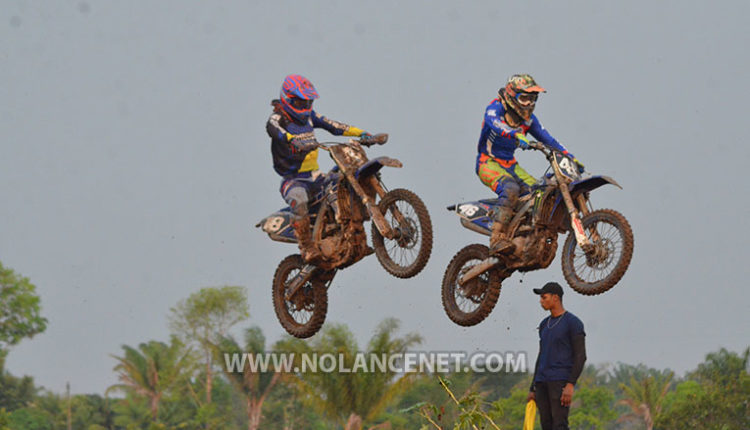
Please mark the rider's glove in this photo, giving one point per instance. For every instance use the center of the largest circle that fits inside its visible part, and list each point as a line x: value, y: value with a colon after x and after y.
x: 352, y: 131
x: 581, y: 168
x: 303, y: 143
x: 523, y: 142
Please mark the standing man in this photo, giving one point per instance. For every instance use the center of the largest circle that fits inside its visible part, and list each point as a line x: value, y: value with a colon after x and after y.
x: 562, y: 354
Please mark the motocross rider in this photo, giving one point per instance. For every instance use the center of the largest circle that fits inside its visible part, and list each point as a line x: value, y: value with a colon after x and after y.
x: 506, y: 121
x: 295, y: 152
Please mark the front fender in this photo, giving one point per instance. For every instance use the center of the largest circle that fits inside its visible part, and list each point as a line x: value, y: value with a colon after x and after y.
x: 373, y: 166
x: 591, y: 183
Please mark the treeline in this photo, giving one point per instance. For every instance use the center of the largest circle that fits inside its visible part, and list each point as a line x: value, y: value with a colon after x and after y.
x: 182, y: 383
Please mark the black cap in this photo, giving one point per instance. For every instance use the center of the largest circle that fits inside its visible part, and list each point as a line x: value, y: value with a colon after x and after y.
x: 550, y: 288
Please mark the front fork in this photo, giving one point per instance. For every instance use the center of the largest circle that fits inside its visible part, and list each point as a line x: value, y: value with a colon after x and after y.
x: 376, y: 185
x: 575, y: 218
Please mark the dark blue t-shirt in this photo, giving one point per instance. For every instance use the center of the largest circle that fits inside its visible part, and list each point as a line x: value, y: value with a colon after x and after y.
x: 556, y: 347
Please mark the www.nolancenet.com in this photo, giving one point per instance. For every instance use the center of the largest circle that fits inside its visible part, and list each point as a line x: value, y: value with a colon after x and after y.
x: 364, y: 362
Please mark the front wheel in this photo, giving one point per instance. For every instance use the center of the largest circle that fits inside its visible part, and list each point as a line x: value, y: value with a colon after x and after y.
x: 470, y: 304
x: 303, y: 314
x: 407, y: 252
x: 596, y: 271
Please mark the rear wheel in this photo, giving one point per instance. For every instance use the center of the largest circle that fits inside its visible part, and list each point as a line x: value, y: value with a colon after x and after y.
x: 470, y: 304
x: 406, y: 254
x: 596, y: 271
x: 302, y: 314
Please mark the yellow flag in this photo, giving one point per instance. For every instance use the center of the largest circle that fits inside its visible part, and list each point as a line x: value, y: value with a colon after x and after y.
x: 528, y: 421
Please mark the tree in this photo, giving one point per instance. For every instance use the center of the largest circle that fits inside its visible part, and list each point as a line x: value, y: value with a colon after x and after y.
x: 20, y: 311
x: 151, y: 371
x: 645, y: 397
x: 715, y: 396
x: 284, y: 410
x: 15, y: 392
x: 254, y: 386
x: 357, y: 397
x: 205, y: 317
x: 91, y: 410
x: 592, y: 408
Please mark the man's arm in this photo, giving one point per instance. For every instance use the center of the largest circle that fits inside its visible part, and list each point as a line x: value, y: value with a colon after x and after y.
x: 297, y: 143
x: 578, y: 342
x: 579, y: 357
x: 334, y: 127
x: 532, y: 389
x: 275, y: 130
x: 541, y: 134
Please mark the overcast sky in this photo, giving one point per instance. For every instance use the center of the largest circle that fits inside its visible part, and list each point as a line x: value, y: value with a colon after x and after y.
x: 134, y: 161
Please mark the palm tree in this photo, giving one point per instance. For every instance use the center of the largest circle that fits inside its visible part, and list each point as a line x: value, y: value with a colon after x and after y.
x: 255, y: 386
x: 645, y: 396
x: 357, y: 397
x: 150, y: 371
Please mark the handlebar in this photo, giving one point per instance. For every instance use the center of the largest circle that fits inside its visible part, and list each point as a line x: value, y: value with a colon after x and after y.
x: 539, y: 146
x: 377, y: 139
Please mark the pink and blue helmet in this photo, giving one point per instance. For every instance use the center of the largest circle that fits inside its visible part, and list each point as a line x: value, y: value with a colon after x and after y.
x: 297, y: 95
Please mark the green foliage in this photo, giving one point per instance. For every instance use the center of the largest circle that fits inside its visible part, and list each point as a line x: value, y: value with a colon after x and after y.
x: 592, y: 409
x: 30, y: 419
x: 340, y: 395
x: 644, y: 395
x: 207, y: 315
x: 716, y: 396
x: 471, y: 410
x: 284, y: 410
x: 4, y: 419
x: 254, y: 386
x: 15, y: 392
x: 204, y: 318
x: 249, y: 383
x: 132, y: 413
x: 163, y: 389
x: 509, y: 412
x: 20, y: 310
x: 91, y: 411
x: 152, y: 370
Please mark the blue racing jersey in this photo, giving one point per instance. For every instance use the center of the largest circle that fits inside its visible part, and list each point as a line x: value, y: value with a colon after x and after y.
x: 498, y: 138
x: 288, y: 161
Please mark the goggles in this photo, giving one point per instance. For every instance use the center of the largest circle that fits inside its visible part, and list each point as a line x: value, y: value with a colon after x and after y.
x: 298, y: 103
x: 527, y: 99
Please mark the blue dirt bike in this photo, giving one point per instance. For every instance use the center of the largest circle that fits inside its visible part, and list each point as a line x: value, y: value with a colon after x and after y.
x: 353, y: 193
x: 595, y: 255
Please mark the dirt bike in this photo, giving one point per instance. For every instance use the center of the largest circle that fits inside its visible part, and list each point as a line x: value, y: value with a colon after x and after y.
x: 595, y: 255
x: 401, y: 233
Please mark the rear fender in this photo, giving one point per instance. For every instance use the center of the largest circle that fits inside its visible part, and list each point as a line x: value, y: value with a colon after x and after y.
x: 279, y: 226
x: 476, y: 215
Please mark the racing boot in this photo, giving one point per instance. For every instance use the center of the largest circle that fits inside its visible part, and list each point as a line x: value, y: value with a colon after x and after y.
x: 499, y: 241
x: 307, y: 248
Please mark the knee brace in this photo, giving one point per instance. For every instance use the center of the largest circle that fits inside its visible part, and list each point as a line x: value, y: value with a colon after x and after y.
x: 507, y: 193
x: 297, y: 199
